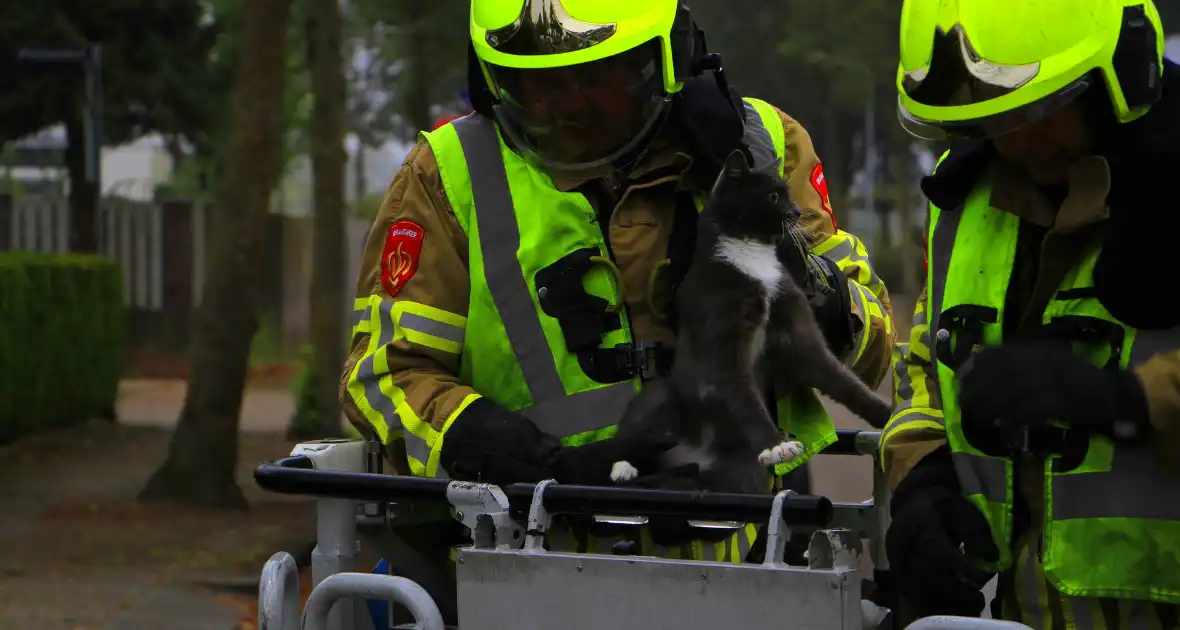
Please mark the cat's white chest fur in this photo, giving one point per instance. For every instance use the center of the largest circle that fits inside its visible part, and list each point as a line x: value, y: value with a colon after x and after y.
x: 758, y: 261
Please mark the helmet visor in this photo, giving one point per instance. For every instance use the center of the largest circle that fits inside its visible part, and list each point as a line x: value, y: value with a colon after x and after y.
x: 578, y: 118
x: 995, y: 125
x: 958, y: 76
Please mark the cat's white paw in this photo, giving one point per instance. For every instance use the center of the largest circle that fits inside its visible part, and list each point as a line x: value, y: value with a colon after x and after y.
x: 781, y: 454
x: 623, y: 471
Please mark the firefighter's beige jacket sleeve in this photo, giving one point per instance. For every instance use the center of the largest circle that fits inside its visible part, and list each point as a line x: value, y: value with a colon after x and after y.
x: 420, y: 382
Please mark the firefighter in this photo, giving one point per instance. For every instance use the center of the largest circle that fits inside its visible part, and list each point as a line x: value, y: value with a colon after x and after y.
x: 1038, y: 417
x: 515, y: 288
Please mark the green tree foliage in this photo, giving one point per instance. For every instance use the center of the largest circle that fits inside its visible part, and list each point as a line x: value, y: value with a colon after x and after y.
x: 155, y: 66
x: 415, y: 53
x: 155, y: 77
x: 818, y: 61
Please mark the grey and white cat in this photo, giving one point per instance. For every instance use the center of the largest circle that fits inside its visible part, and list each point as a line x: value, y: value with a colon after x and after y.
x: 743, y: 322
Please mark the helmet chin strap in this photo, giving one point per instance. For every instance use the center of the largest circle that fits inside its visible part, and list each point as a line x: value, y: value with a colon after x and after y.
x: 703, y: 62
x: 712, y: 62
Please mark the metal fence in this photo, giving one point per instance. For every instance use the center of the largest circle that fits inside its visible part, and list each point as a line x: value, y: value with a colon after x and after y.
x: 161, y: 248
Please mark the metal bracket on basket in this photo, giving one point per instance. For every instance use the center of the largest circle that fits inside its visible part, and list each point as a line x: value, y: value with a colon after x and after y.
x: 834, y: 549
x: 483, y: 509
x: 538, y: 523
x: 777, y: 531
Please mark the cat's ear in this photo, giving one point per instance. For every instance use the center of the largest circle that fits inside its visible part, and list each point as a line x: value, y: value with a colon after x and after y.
x: 736, y: 165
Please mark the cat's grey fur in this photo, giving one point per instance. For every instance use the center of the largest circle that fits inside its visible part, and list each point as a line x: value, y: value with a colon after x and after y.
x: 743, y: 322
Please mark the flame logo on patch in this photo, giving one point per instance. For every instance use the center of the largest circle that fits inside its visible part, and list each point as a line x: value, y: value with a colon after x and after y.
x: 399, y: 264
x: 399, y: 257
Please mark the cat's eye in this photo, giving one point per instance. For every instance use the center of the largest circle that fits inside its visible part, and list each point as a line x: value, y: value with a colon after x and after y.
x: 773, y: 197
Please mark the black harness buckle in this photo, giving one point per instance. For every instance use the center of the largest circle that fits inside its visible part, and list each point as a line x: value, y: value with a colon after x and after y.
x: 960, y: 331
x: 647, y: 359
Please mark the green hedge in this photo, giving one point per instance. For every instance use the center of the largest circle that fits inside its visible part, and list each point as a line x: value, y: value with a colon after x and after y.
x: 61, y: 351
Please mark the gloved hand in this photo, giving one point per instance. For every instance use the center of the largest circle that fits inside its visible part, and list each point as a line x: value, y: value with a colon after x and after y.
x: 491, y: 444
x: 1027, y: 384
x: 591, y: 464
x: 930, y: 520
x: 826, y: 288
x: 706, y: 120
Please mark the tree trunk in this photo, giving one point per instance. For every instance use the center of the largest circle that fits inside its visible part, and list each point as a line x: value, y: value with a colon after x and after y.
x: 328, y: 159
x: 83, y: 198
x: 203, y: 453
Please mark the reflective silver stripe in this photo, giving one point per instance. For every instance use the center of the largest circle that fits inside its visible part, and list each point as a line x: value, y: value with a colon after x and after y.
x: 919, y: 319
x: 905, y: 384
x: 840, y: 251
x: 417, y: 323
x: 385, y: 315
x: 743, y: 541
x: 584, y: 411
x: 858, y: 295
x: 1134, y: 487
x: 367, y: 375
x: 366, y: 372
x: 417, y: 448
x: 758, y: 139
x: 981, y: 475
x: 900, y: 419
x: 846, y: 249
x: 359, y: 315
x: 382, y: 404
x: 499, y: 237
x: 942, y: 243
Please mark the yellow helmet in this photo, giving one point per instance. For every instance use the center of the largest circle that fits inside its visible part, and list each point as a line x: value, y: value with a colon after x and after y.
x: 970, y: 68
x: 581, y: 85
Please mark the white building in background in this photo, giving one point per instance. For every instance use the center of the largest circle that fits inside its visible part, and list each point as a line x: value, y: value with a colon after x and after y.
x: 135, y: 169
x: 131, y: 170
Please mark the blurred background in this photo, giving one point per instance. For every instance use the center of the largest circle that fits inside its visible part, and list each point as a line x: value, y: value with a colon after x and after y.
x: 185, y: 190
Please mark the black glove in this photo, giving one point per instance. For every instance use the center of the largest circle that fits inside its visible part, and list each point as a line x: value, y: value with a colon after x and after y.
x: 1026, y: 384
x: 826, y: 288
x: 710, y: 124
x: 930, y: 519
x: 591, y: 464
x: 491, y: 444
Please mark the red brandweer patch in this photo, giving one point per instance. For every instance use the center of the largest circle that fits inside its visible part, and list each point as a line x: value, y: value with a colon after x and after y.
x: 820, y: 183
x: 399, y: 260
